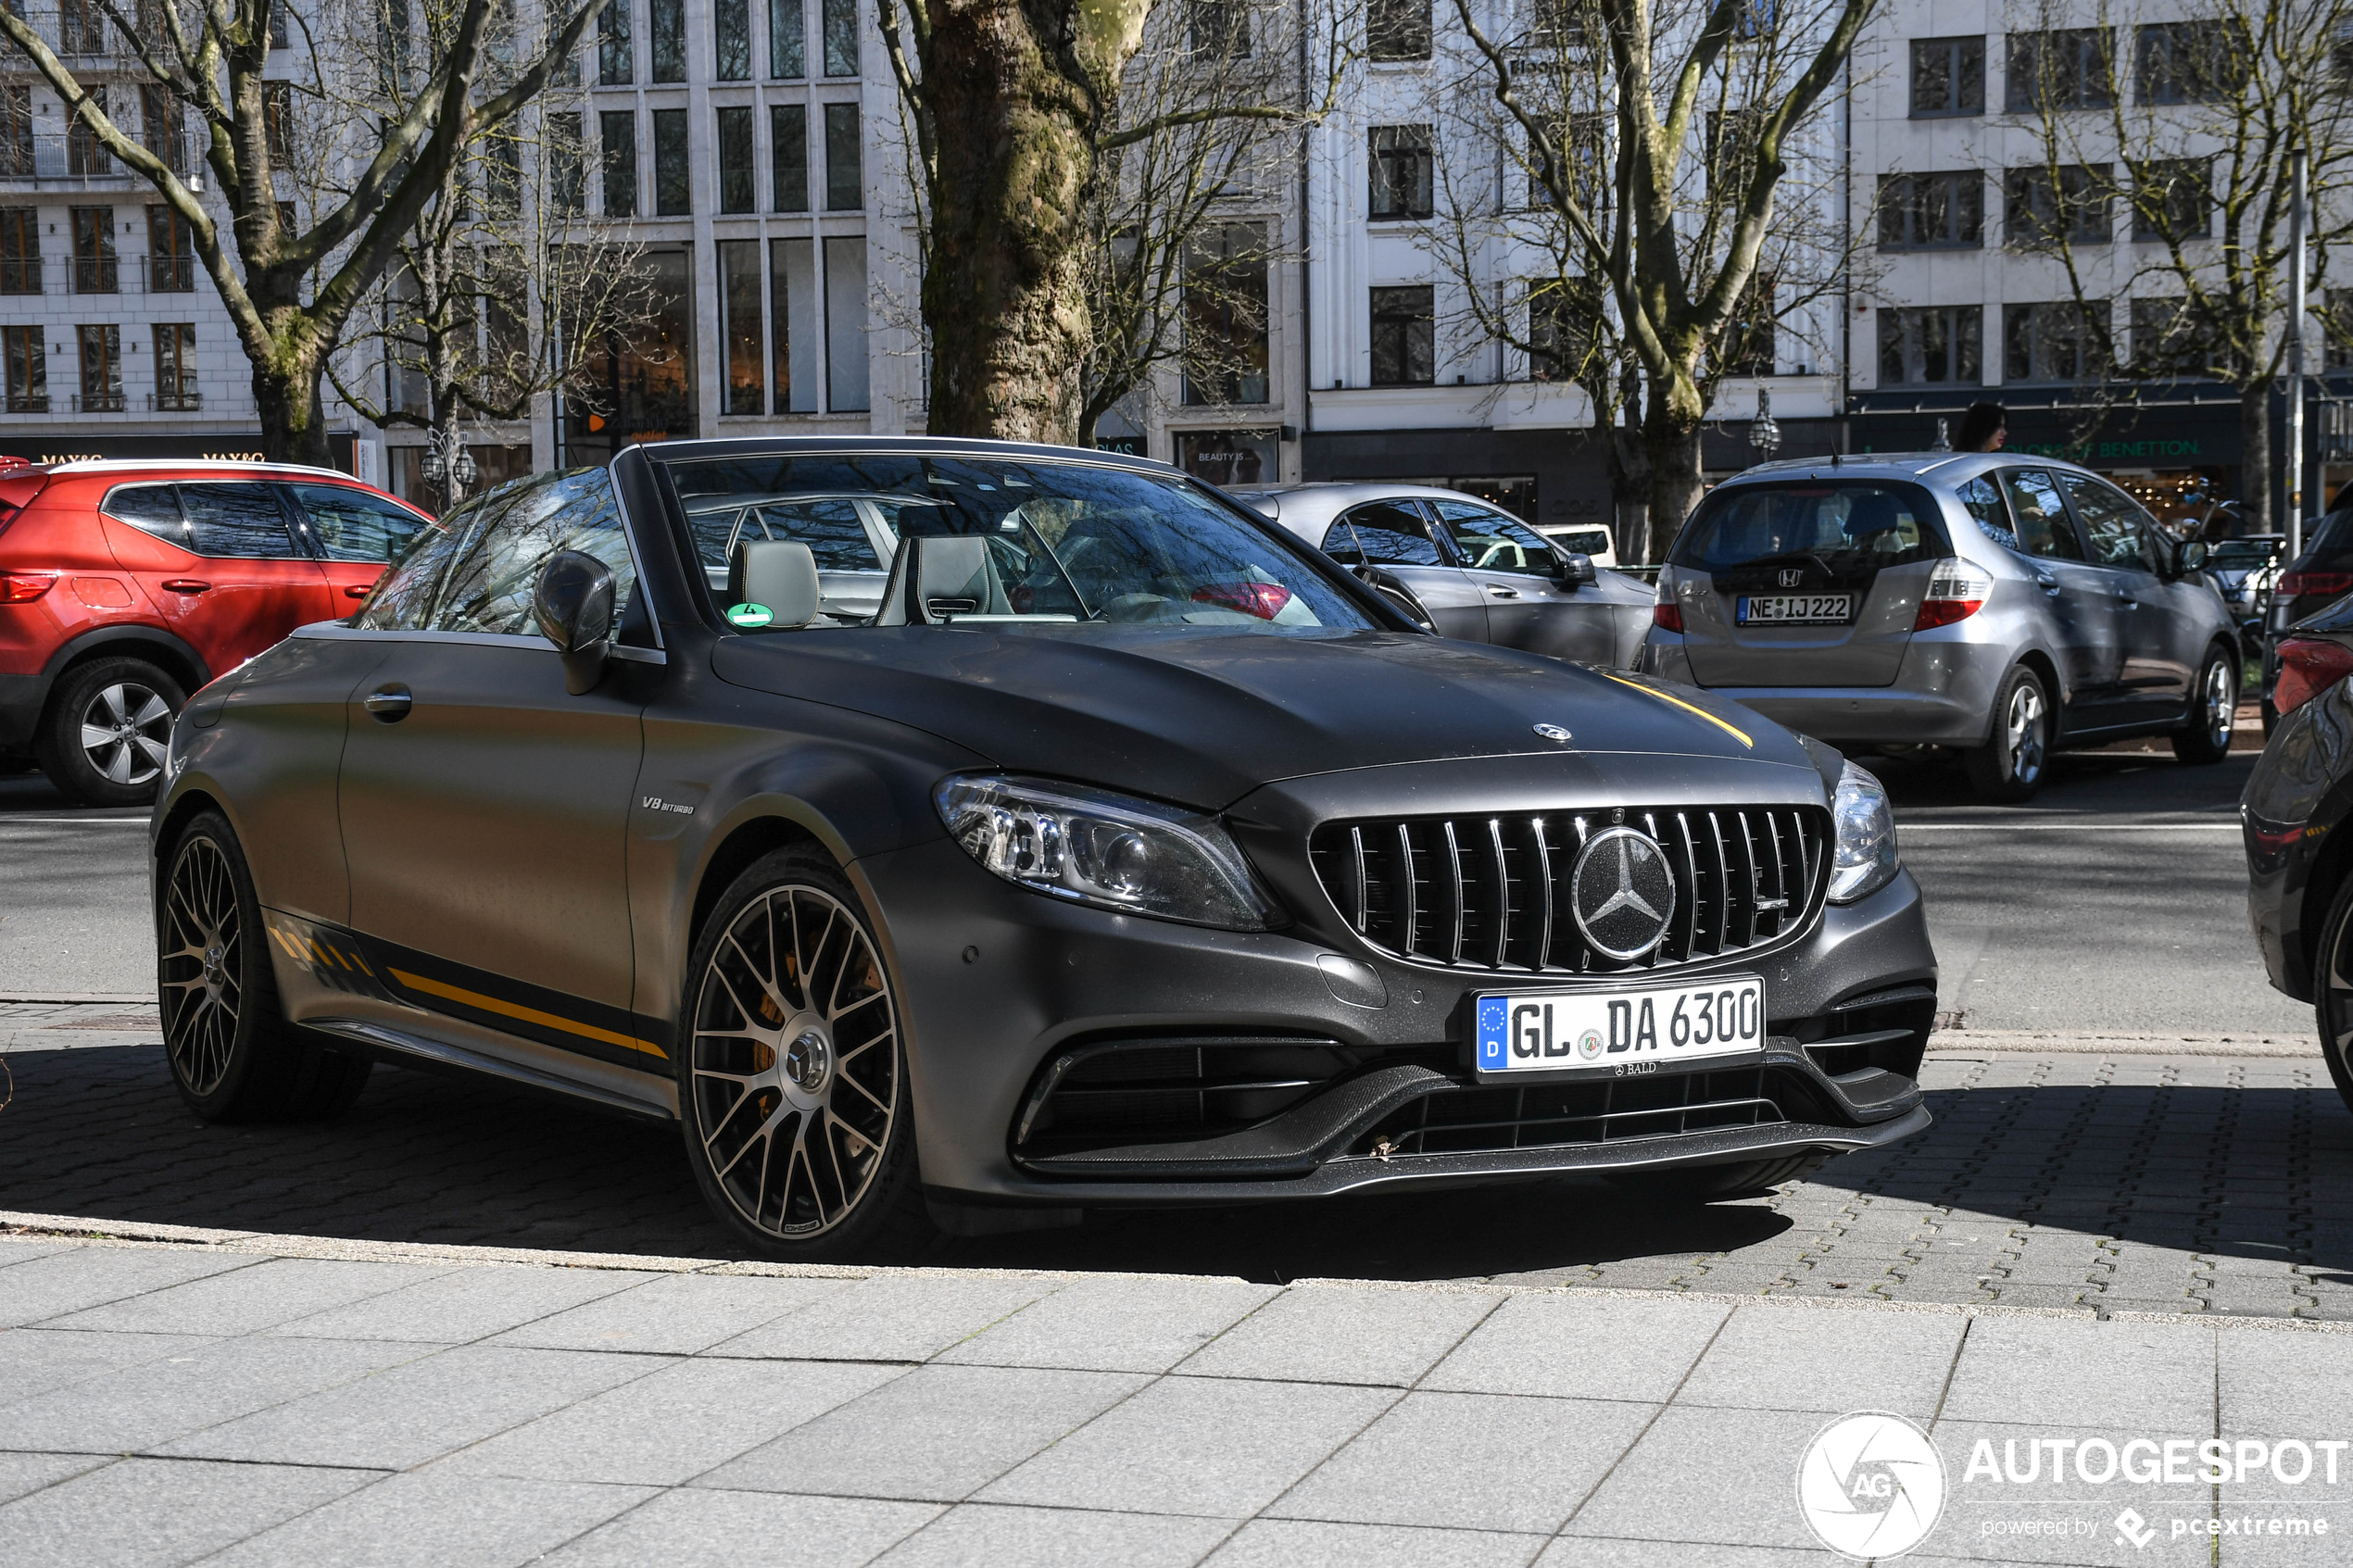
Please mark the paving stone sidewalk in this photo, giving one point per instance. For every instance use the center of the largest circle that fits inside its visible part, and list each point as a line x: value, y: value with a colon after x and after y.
x: 292, y: 1403
x: 2129, y: 1181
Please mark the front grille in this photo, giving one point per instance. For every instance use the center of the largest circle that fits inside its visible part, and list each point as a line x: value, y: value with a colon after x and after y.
x: 1480, y: 1121
x: 1493, y: 891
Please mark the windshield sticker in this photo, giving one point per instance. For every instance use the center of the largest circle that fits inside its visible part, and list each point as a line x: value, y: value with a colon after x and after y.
x: 749, y: 615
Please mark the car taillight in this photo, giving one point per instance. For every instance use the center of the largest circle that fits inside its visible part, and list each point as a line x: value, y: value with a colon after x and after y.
x: 1264, y: 600
x: 1667, y: 615
x: 23, y: 587
x: 2308, y: 666
x: 2309, y: 584
x: 1955, y: 590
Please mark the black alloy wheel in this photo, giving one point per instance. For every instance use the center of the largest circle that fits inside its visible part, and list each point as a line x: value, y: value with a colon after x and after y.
x: 108, y: 727
x: 2214, y: 706
x: 2333, y: 990
x: 233, y: 1056
x: 2010, y: 767
x: 792, y: 1079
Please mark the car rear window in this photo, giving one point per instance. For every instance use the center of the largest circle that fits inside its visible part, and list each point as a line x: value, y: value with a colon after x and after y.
x: 1840, y: 522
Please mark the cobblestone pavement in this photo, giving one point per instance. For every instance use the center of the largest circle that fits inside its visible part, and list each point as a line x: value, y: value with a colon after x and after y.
x: 2168, y: 1183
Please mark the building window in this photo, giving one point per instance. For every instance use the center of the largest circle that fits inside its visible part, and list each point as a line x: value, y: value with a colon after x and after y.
x: 171, y: 253
x: 1751, y: 344
x: 1949, y: 77
x: 176, y: 367
x: 845, y: 378
x: 16, y: 132
x: 2041, y: 209
x: 1939, y: 344
x: 839, y: 22
x: 793, y: 333
x: 94, y: 255
x: 1225, y: 338
x: 1404, y: 336
x: 1397, y: 29
x: 2336, y: 328
x: 1560, y: 331
x: 567, y: 171
x: 746, y: 387
x: 83, y: 153
x: 1227, y: 456
x: 616, y: 52
x: 670, y: 40
x: 788, y: 156
x: 2169, y: 339
x: 1219, y: 29
x: 674, y: 181
x: 787, y: 41
x: 2198, y: 62
x: 1402, y: 168
x: 731, y: 32
x: 2059, y: 342
x: 19, y: 250
x: 1556, y: 24
x: 163, y: 126
x: 1732, y: 150
x: 617, y: 133
x: 738, y: 183
x: 2067, y: 68
x: 1944, y: 211
x: 277, y: 120
x: 639, y: 381
x: 2174, y: 200
x: 845, y: 184
x: 101, y: 369
x: 27, y: 357
x: 82, y: 27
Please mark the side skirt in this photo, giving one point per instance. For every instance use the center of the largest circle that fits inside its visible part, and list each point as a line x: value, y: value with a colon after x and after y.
x: 382, y: 1038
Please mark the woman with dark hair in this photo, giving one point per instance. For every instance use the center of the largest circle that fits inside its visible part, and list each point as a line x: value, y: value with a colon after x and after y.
x: 1983, y: 429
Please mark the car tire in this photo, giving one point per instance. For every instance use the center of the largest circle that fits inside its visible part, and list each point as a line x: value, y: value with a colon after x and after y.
x: 2333, y: 990
x: 2214, y: 709
x: 2011, y: 766
x: 101, y: 741
x: 790, y: 1044
x: 1705, y: 1184
x: 232, y: 1055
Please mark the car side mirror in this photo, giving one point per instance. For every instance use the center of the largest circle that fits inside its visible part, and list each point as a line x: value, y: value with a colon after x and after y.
x: 572, y: 605
x: 1576, y: 569
x: 1388, y: 585
x: 2189, y: 555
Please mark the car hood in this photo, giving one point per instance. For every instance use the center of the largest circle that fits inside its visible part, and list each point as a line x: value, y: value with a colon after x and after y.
x: 1204, y: 718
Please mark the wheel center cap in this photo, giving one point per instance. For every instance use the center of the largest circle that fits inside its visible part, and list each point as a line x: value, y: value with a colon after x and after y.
x: 212, y: 963
x: 808, y: 1061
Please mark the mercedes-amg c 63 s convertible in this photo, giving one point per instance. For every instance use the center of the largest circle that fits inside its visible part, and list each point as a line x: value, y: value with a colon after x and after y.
x: 983, y: 834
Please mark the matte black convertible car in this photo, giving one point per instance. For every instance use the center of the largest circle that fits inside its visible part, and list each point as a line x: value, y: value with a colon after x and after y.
x: 1117, y: 850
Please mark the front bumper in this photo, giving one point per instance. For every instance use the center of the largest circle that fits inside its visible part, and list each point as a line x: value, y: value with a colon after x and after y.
x: 998, y: 985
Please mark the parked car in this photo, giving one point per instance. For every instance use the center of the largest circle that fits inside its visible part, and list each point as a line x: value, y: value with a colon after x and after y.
x: 1999, y: 605
x: 2293, y: 815
x: 2245, y: 571
x: 1131, y: 852
x: 126, y: 586
x: 1481, y: 574
x: 1583, y: 539
x: 2320, y: 575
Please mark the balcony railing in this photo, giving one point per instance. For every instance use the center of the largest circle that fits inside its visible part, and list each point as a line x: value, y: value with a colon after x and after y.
x: 124, y: 272
x: 175, y: 403
x: 99, y: 403
x: 51, y: 158
x: 28, y: 403
x: 76, y: 31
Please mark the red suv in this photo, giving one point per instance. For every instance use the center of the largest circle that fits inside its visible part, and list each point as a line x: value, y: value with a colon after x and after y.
x: 124, y: 586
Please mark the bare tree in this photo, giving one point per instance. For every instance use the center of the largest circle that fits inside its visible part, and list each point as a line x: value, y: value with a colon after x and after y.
x: 1658, y: 160
x: 1012, y: 112
x: 289, y: 290
x: 2163, y: 177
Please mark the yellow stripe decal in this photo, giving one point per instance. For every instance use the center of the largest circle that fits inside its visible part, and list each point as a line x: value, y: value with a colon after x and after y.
x: 1701, y: 712
x: 529, y: 1015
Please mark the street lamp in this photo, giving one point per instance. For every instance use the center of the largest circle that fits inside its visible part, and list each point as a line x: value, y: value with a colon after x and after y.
x: 448, y: 466
x: 1763, y: 433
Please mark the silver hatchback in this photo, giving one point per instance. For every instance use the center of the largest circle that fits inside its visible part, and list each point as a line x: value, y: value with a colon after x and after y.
x: 1999, y: 604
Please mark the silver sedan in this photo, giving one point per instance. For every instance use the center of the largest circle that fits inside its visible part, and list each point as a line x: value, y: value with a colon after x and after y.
x: 1481, y: 574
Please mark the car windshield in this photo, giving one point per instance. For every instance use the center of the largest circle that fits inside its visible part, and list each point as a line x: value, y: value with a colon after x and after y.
x: 1057, y: 544
x: 1840, y: 523
x: 2243, y: 552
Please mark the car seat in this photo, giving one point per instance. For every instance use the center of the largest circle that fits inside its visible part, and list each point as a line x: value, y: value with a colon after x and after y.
x: 778, y: 573
x: 937, y: 577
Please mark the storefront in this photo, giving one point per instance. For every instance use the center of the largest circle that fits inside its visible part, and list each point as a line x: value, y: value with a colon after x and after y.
x: 63, y: 445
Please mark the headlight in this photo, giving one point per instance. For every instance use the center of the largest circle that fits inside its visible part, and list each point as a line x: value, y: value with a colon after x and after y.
x: 1866, y: 861
x: 1113, y: 851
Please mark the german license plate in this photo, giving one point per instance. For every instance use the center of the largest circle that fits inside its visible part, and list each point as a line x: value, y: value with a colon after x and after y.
x: 1793, y: 609
x: 1617, y: 1034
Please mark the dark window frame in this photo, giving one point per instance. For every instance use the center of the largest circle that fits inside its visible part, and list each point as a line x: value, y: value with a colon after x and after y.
x: 1963, y: 67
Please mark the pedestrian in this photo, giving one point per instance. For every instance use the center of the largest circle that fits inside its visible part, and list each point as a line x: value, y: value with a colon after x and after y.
x: 1983, y: 429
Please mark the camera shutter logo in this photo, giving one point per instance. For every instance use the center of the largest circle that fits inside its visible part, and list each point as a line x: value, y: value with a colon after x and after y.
x: 1870, y: 1486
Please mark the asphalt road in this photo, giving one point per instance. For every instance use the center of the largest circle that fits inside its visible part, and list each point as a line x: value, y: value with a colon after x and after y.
x: 2113, y: 904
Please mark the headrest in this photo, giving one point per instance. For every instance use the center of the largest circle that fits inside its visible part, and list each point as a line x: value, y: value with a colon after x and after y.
x: 1874, y: 512
x: 936, y: 577
x: 779, y: 573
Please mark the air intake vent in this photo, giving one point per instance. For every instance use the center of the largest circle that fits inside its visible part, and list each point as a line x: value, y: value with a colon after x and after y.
x: 1492, y: 893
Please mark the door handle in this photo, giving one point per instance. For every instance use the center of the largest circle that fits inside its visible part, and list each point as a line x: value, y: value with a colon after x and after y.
x: 1501, y: 591
x: 186, y: 585
x: 389, y: 705
x: 2128, y: 604
x: 358, y: 590
x: 2048, y: 585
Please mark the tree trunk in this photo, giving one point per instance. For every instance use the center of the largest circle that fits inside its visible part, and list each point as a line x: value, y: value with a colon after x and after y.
x: 1629, y: 491
x: 1005, y: 297
x: 294, y: 421
x: 2255, y: 457
x: 1670, y: 442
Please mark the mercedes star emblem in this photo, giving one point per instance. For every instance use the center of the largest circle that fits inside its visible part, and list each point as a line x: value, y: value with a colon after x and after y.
x: 1553, y: 731
x: 1622, y: 893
